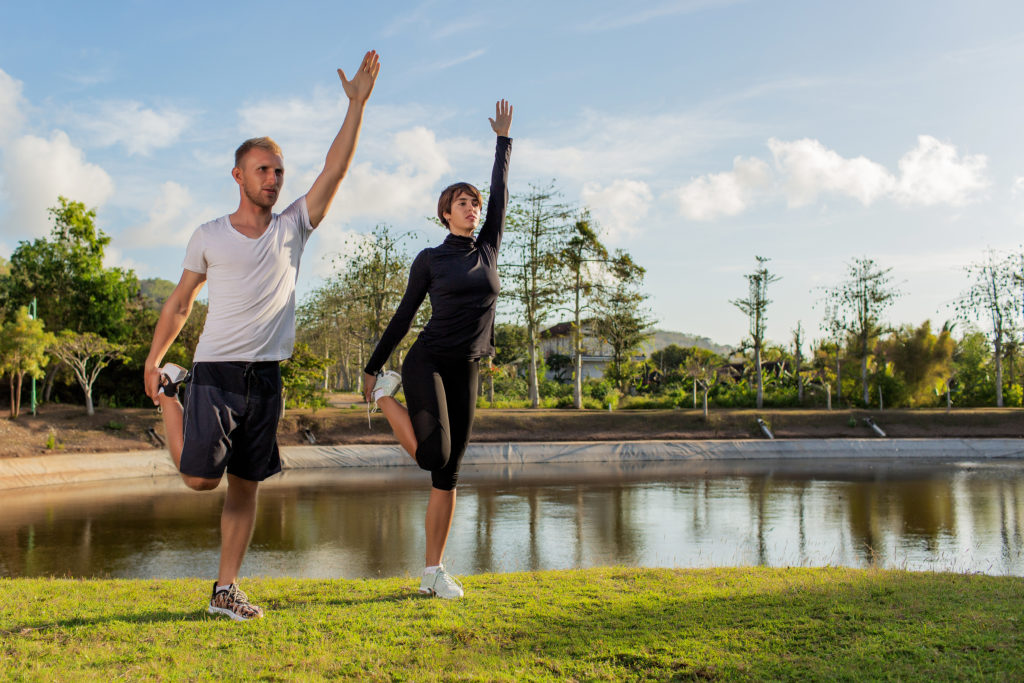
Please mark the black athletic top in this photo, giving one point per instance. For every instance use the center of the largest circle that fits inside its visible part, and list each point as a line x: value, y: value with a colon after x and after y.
x: 461, y: 277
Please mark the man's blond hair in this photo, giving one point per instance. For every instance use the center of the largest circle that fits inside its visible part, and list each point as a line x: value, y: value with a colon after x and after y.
x: 264, y: 143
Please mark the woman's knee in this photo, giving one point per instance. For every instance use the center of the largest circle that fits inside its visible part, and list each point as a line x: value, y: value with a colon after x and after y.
x: 432, y: 455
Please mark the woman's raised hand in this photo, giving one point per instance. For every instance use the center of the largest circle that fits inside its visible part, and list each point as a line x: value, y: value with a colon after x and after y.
x: 502, y: 120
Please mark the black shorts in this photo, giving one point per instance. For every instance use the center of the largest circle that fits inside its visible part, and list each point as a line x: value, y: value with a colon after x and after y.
x: 231, y: 415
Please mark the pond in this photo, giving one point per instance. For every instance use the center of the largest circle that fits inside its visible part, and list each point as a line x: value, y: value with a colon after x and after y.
x: 964, y: 516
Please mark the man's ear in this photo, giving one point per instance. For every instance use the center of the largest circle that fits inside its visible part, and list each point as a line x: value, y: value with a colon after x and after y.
x: 236, y: 173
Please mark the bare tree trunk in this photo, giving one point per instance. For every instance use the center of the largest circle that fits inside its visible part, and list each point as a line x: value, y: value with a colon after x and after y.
x: 490, y: 381
x: 864, y: 377
x: 577, y: 352
x: 695, y: 394
x: 999, y: 369
x: 89, y: 410
x: 839, y: 383
x: 828, y: 395
x: 534, y: 384
x: 705, y: 404
x: 760, y: 376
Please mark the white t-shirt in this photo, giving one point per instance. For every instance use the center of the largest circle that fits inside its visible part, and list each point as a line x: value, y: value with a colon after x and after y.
x: 251, y: 286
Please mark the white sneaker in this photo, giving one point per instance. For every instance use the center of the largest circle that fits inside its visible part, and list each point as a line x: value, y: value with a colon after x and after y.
x: 442, y: 584
x: 387, y: 384
x: 171, y: 376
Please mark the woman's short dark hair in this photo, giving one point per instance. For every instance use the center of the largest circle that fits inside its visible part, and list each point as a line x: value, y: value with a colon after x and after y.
x: 444, y: 204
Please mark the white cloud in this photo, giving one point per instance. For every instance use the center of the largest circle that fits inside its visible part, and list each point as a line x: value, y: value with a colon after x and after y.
x: 11, y: 106
x: 809, y: 169
x: 1018, y: 185
x: 115, y: 258
x: 405, y: 185
x: 602, y: 148
x: 36, y: 171
x: 933, y: 173
x: 632, y: 16
x: 138, y: 129
x: 455, y: 61
x: 171, y: 220
x: 619, y: 208
x: 724, y: 194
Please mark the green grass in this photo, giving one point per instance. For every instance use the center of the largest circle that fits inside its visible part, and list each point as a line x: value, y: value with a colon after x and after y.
x: 599, y: 624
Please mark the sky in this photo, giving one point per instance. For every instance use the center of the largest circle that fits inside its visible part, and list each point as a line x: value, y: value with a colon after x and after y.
x: 699, y: 133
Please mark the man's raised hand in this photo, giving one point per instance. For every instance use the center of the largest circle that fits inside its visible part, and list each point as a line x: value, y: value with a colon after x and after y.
x: 361, y: 85
x: 502, y: 120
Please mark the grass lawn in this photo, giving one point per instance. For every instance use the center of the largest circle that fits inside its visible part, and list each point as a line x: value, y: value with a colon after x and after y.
x: 596, y: 624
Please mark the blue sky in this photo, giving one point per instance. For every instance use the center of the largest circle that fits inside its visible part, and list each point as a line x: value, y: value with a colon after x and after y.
x: 700, y: 133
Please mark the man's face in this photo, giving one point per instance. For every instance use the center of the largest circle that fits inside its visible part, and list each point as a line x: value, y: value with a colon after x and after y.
x: 260, y: 176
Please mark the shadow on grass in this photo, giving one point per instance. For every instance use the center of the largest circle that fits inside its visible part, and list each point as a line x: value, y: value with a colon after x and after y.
x: 132, y: 618
x: 397, y: 596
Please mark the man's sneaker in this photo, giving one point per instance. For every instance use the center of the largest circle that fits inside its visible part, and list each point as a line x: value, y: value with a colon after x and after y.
x: 387, y: 384
x: 442, y: 584
x: 232, y: 602
x: 171, y: 376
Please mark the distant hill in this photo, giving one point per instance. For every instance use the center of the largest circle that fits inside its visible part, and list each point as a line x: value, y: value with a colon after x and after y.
x: 663, y: 338
x: 155, y: 291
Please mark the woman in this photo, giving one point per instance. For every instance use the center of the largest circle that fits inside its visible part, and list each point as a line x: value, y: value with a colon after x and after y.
x: 441, y: 369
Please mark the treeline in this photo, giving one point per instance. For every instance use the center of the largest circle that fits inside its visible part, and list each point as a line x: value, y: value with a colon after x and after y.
x: 83, y: 330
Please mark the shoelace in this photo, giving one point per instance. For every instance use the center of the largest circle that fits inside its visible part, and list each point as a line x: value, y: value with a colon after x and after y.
x: 445, y: 576
x: 237, y: 596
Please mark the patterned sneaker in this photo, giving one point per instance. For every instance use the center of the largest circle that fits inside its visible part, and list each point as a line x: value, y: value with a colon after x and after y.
x: 171, y: 376
x: 234, y: 603
x: 387, y: 384
x: 442, y: 584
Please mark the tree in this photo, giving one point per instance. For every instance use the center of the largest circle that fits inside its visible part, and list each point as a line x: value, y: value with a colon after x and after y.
x: 65, y: 274
x: 621, y: 322
x: 345, y: 317
x: 591, y: 274
x: 992, y: 295
x: 301, y: 378
x: 537, y: 230
x: 23, y: 345
x: 86, y: 354
x: 821, y: 369
x: 582, y: 249
x: 920, y: 359
x: 702, y: 368
x: 855, y: 306
x: 798, y: 357
x: 755, y: 306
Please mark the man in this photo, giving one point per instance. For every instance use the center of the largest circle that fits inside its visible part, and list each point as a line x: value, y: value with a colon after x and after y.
x: 250, y: 259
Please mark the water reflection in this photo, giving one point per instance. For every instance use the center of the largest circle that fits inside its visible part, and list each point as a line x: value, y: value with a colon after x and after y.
x: 357, y: 523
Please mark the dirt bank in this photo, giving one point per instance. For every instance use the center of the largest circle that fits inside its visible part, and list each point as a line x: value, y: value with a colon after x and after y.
x: 67, y: 429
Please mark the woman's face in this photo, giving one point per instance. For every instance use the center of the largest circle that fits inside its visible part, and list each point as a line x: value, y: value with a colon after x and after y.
x: 464, y: 214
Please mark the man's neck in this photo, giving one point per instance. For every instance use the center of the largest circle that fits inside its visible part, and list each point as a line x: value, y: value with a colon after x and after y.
x: 251, y: 220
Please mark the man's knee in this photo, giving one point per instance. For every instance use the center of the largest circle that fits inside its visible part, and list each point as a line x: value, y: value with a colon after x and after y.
x: 200, y: 483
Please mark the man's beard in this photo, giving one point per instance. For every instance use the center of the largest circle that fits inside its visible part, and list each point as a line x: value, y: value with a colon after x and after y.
x: 259, y: 200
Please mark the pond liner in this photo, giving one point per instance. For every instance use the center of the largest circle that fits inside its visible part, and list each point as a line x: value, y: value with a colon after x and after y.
x: 47, y: 470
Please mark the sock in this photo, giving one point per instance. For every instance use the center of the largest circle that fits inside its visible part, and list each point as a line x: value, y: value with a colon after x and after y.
x: 223, y: 588
x: 432, y: 570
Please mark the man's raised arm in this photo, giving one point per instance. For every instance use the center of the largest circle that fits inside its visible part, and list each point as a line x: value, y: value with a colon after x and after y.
x: 339, y: 156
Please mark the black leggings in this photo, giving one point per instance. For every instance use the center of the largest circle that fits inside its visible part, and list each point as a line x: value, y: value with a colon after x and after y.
x: 441, y: 396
